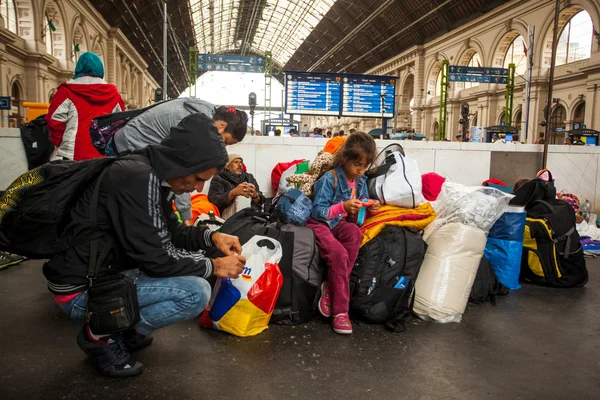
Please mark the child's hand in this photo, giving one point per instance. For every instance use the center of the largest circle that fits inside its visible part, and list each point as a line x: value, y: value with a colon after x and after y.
x: 353, y: 206
x: 375, y: 206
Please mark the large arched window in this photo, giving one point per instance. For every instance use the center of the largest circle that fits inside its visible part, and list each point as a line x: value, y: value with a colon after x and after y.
x: 9, y: 15
x: 516, y: 55
x: 438, y: 85
x: 559, y: 116
x: 48, y: 37
x: 575, y: 42
x: 475, y: 61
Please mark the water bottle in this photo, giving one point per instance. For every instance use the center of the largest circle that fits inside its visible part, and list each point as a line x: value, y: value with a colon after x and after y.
x: 586, y: 210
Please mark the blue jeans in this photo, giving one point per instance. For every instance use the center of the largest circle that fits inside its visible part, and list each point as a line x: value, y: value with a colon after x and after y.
x: 162, y: 301
x: 109, y: 151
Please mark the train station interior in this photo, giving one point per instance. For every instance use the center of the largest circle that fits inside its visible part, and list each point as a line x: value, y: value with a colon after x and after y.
x: 487, y: 95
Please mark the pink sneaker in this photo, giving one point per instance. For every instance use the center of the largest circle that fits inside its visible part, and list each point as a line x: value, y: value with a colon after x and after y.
x: 341, y: 324
x: 325, y: 301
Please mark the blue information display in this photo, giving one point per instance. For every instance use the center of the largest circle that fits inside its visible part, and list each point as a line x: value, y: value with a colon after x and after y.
x: 312, y: 94
x: 452, y: 77
x: 230, y: 59
x: 323, y: 93
x: 460, y: 69
x: 368, y: 96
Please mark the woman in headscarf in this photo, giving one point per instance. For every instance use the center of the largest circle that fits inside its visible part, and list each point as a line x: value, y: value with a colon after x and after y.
x: 74, y: 105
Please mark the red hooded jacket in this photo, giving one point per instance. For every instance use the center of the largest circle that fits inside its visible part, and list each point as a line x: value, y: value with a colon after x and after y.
x: 72, y: 108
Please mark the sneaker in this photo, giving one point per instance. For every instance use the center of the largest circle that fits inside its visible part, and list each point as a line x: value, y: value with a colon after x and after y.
x: 135, y: 340
x: 8, y: 259
x: 325, y: 301
x: 109, y: 354
x: 341, y: 324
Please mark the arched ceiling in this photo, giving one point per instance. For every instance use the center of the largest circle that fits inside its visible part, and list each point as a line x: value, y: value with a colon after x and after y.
x: 304, y: 35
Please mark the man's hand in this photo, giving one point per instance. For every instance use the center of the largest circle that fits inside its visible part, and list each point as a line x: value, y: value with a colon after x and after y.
x: 375, y: 207
x: 352, y: 206
x: 188, y: 222
x: 240, y: 190
x: 228, y: 267
x: 227, y: 244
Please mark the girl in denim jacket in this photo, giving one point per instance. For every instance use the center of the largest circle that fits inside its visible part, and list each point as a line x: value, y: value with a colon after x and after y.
x: 338, y: 194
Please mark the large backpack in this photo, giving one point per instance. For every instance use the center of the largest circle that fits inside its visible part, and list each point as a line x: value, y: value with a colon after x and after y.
x: 486, y: 285
x: 383, y: 279
x: 34, y: 210
x: 299, y: 265
x: 552, y: 253
x: 36, y: 140
x: 104, y: 127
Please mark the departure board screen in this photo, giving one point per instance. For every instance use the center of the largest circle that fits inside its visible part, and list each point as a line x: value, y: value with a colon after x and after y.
x: 366, y: 95
x: 312, y: 93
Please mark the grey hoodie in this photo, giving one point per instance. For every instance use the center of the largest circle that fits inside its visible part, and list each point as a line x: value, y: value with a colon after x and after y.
x: 154, y: 125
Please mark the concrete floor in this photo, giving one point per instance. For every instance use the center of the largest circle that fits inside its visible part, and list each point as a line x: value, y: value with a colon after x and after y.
x: 539, y: 343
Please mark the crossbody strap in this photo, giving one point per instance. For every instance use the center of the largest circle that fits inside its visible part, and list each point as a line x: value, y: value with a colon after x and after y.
x: 94, y: 260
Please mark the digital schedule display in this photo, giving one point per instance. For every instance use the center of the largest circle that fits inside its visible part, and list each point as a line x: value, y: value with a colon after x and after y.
x: 343, y: 95
x: 312, y: 94
x: 368, y: 96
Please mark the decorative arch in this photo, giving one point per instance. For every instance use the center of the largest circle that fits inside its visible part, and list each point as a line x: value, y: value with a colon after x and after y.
x: 434, y: 130
x: 465, y: 59
x: 26, y: 19
x: 504, y: 39
x: 16, y: 89
x: 544, y: 47
x: 79, y: 41
x: 578, y: 114
x: 53, y: 11
x: 466, y: 51
x: 517, y: 117
x: 432, y: 76
x: 134, y: 89
x: 99, y: 49
x: 500, y: 118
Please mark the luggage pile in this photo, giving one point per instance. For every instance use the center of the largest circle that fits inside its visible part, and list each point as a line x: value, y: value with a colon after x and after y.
x: 418, y: 257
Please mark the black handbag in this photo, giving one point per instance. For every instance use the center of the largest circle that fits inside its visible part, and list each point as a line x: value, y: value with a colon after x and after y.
x: 112, y: 300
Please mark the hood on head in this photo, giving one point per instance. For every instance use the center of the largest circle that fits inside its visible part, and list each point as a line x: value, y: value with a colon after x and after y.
x: 192, y: 146
x: 100, y: 93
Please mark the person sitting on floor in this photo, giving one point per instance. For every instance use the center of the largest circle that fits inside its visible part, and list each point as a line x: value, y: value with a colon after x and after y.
x: 233, y: 182
x: 146, y: 243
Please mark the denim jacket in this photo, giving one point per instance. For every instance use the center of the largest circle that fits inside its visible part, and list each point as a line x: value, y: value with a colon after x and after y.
x: 325, y: 196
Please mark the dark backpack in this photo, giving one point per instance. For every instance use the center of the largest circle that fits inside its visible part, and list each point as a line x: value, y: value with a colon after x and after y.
x: 552, y: 252
x: 393, y: 258
x: 35, y: 208
x: 104, y: 127
x: 486, y: 285
x: 293, y: 207
x: 36, y: 140
x: 299, y: 265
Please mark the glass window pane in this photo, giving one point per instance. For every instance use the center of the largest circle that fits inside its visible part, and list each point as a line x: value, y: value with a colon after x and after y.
x: 516, y: 55
x: 580, y: 40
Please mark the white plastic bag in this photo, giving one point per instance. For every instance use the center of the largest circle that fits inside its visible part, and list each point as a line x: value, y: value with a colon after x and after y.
x: 401, y: 186
x: 477, y: 206
x: 243, y: 306
x: 448, y: 271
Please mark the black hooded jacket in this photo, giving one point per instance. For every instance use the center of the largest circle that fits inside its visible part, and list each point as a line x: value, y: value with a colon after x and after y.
x: 225, y: 182
x: 134, y: 209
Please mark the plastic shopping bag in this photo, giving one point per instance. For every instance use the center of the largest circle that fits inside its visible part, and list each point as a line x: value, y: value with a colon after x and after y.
x: 243, y: 306
x: 504, y: 247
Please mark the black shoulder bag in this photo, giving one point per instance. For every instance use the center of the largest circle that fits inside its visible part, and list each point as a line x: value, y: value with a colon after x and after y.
x: 112, y: 299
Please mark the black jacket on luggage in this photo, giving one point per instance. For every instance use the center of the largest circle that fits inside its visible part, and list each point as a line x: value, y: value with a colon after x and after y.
x: 225, y: 182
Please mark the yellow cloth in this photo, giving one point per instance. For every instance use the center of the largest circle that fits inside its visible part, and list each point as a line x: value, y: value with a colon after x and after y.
x: 416, y: 218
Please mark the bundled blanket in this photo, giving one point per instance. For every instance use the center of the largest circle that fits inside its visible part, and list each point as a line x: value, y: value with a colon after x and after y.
x: 416, y: 218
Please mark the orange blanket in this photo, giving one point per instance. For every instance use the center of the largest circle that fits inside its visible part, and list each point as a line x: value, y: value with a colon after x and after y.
x: 416, y: 218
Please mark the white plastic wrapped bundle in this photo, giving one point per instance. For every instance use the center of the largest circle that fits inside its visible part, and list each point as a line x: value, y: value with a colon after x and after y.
x: 448, y: 271
x: 477, y: 206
